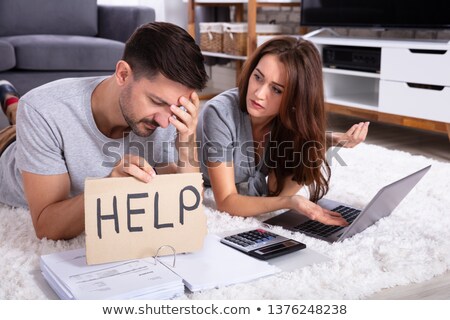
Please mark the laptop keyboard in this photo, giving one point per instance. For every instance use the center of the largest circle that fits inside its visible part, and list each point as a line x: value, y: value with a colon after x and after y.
x: 320, y: 229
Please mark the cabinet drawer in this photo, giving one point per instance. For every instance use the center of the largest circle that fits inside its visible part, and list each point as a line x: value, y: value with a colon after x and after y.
x: 402, y: 99
x: 419, y: 66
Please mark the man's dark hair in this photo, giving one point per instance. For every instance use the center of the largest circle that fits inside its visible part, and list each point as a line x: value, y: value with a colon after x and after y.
x: 165, y: 48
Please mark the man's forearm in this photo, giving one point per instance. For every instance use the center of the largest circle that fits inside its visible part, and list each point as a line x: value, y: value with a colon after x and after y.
x: 62, y: 220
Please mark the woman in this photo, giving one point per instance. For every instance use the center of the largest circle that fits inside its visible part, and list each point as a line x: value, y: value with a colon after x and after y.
x: 272, y: 125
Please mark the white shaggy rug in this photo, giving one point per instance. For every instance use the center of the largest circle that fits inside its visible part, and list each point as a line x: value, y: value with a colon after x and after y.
x: 412, y: 245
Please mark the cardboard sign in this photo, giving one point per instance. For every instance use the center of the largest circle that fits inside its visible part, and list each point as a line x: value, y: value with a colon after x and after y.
x: 128, y: 219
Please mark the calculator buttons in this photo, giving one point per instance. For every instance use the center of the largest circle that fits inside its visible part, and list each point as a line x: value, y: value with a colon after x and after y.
x: 254, y: 239
x: 262, y: 244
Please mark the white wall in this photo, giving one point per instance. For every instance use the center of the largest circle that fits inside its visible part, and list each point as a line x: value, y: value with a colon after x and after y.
x: 174, y: 11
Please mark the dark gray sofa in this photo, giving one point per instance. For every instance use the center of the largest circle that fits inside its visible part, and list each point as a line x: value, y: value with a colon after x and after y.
x: 45, y: 40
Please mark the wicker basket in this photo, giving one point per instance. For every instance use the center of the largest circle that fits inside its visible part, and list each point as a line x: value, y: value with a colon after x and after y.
x: 235, y: 36
x: 211, y: 36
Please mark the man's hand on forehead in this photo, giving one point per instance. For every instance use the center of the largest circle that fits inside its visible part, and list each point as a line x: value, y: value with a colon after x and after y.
x: 186, y: 115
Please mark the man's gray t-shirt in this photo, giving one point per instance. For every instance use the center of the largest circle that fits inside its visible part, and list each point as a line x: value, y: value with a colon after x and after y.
x: 56, y: 134
x: 225, y: 135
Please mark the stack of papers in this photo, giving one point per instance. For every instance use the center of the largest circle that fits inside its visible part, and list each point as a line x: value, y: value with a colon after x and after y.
x: 71, y: 278
x: 217, y: 265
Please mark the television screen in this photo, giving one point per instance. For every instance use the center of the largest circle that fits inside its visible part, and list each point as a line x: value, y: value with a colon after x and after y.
x: 417, y: 14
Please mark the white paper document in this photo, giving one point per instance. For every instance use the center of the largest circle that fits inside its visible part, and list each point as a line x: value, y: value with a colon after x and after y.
x: 217, y: 265
x: 71, y: 278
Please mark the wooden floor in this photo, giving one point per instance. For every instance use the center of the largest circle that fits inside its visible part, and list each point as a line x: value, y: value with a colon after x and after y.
x: 438, y: 288
x: 417, y: 142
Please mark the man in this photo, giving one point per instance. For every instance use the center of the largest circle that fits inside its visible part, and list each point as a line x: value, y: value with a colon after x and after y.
x: 127, y: 124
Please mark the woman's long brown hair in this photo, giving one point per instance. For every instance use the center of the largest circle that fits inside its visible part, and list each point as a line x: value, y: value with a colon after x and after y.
x: 297, y: 139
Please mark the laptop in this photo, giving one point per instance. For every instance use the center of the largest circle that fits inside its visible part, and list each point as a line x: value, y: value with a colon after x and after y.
x: 382, y: 205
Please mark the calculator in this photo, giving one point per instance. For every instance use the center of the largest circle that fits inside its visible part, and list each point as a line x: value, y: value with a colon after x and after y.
x: 262, y: 244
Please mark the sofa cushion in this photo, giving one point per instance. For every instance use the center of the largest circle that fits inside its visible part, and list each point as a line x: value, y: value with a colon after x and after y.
x: 75, y: 17
x: 56, y: 52
x: 7, y: 60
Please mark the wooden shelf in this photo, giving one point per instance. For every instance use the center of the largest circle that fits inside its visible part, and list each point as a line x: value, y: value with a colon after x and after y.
x: 252, y: 6
x: 223, y: 55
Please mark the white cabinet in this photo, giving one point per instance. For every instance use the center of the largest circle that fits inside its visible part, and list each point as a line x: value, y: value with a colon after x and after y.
x: 416, y: 65
x: 414, y: 81
x: 408, y: 99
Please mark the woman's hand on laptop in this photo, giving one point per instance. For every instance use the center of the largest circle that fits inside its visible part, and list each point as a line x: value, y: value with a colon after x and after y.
x: 135, y: 166
x: 315, y: 212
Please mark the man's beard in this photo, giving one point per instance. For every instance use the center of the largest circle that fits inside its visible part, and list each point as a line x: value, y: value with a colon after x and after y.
x: 136, y: 126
